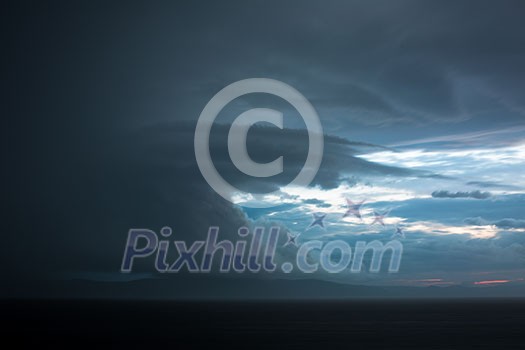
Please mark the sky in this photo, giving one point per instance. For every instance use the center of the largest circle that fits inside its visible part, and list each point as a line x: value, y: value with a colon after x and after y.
x: 422, y: 104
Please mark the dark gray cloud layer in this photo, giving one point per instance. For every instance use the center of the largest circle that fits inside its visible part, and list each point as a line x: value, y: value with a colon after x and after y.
x: 340, y: 161
x: 472, y: 194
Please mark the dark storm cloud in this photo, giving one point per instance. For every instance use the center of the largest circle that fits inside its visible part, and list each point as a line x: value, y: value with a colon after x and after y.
x: 85, y: 77
x: 339, y: 163
x: 408, y: 61
x: 364, y: 68
x: 472, y: 194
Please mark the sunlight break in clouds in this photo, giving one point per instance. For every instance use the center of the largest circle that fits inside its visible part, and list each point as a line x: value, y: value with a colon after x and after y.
x: 505, y: 165
x: 336, y: 197
x: 428, y: 227
x: 424, y: 158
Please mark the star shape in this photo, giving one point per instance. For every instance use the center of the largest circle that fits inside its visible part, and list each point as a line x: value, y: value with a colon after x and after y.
x: 353, y: 209
x: 399, y: 232
x: 292, y: 239
x: 318, y: 220
x: 378, y: 218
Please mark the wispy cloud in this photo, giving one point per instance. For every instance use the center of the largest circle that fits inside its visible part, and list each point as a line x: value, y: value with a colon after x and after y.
x: 503, y: 223
x: 511, y: 135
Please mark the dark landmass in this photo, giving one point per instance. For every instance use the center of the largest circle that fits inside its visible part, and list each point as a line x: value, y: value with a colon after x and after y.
x: 224, y: 288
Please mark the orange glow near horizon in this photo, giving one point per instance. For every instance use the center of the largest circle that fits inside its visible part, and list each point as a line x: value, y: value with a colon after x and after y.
x: 491, y: 282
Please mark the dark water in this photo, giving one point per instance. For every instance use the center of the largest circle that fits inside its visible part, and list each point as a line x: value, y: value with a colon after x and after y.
x: 358, y: 324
